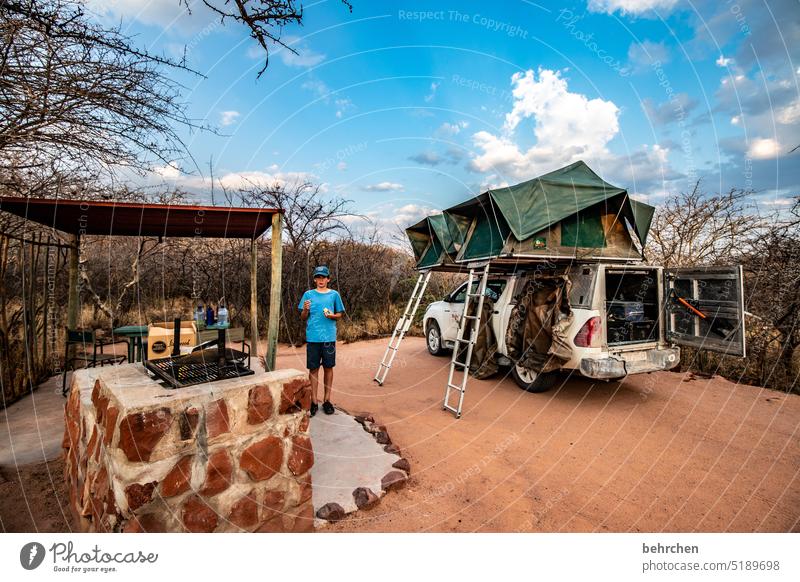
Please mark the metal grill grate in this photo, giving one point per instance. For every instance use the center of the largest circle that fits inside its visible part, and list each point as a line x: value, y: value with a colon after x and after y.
x: 179, y: 375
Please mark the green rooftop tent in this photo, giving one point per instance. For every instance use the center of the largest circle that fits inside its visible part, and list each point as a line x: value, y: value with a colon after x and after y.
x: 568, y: 213
x: 437, y: 239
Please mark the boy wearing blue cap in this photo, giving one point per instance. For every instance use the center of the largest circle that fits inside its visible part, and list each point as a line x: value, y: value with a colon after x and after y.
x: 320, y: 308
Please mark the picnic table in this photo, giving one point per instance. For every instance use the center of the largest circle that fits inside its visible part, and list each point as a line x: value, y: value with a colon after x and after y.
x: 134, y: 335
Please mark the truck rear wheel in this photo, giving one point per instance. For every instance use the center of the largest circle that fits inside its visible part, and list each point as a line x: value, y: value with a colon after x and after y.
x: 531, y: 381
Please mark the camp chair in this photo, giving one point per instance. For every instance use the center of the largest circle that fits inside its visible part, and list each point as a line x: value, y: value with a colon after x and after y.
x: 87, y: 344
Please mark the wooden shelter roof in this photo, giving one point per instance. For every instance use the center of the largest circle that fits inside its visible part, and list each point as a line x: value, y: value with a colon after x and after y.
x: 102, y: 217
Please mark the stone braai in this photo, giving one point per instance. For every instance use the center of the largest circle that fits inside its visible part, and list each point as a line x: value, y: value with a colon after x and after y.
x: 224, y: 456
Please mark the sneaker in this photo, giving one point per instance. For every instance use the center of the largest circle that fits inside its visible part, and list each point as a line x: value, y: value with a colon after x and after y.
x: 314, y: 408
x: 327, y: 407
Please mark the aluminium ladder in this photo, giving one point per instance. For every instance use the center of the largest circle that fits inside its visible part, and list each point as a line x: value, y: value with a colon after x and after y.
x: 403, y: 325
x: 463, y: 367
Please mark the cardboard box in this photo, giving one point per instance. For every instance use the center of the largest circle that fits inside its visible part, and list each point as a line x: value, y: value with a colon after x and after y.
x: 161, y: 337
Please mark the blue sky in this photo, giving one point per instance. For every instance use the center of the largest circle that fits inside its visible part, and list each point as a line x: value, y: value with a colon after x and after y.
x: 408, y: 107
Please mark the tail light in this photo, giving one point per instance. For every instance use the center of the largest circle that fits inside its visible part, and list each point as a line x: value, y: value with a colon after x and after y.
x: 589, y: 334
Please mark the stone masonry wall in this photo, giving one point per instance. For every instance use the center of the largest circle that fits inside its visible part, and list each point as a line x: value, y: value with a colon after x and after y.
x: 229, y: 456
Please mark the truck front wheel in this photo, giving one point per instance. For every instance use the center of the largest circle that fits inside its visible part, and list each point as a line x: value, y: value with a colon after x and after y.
x: 434, y: 339
x: 531, y: 381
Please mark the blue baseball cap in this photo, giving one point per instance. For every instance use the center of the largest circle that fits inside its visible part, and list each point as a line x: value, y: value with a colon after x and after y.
x: 321, y: 271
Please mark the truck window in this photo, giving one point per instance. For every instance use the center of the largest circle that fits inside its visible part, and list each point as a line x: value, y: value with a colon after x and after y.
x: 494, y: 289
x: 581, y: 292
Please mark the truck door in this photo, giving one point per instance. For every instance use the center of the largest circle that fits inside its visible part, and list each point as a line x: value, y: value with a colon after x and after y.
x: 704, y: 308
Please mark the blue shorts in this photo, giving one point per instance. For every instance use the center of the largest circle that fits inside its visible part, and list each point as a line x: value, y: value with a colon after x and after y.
x: 320, y: 352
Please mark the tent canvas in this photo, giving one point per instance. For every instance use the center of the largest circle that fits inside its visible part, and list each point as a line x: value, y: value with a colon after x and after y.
x: 437, y: 239
x: 570, y: 212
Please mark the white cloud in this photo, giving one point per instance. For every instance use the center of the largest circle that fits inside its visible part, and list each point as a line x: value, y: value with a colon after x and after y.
x: 642, y: 55
x: 383, y: 187
x: 227, y: 118
x: 305, y: 57
x: 567, y: 126
x: 341, y: 166
x: 451, y: 129
x: 172, y: 16
x: 342, y: 106
x: 318, y: 87
x: 429, y: 97
x: 632, y: 7
x: 763, y: 149
x: 790, y: 114
x: 171, y: 174
x: 427, y: 158
x: 724, y: 61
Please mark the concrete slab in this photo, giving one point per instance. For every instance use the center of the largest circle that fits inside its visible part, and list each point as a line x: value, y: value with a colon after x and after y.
x: 345, y: 457
x: 31, y: 429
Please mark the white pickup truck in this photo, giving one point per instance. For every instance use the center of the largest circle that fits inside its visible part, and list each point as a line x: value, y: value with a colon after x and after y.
x: 627, y: 319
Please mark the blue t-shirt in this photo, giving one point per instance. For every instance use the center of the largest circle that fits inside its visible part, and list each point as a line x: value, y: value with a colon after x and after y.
x: 318, y: 327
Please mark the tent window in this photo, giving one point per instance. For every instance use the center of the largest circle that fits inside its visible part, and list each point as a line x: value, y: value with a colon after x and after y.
x: 584, y: 229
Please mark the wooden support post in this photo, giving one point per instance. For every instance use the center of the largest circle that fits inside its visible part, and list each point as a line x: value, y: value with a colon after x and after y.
x: 254, y: 298
x: 73, y: 297
x: 276, y: 275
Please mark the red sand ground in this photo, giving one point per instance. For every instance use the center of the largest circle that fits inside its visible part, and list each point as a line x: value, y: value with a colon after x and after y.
x: 659, y: 452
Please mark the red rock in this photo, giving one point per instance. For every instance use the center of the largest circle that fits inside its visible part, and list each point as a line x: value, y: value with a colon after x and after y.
x: 72, y: 417
x: 304, y: 519
x: 198, y: 516
x: 295, y: 396
x: 92, y: 443
x: 304, y: 423
x: 332, y: 512
x: 392, y: 449
x: 393, y: 480
x: 100, y: 401
x: 382, y: 438
x: 302, y: 456
x: 179, y: 477
x: 262, y: 459
x: 244, y: 512
x: 260, y: 405
x: 305, y: 487
x: 274, y: 500
x: 217, y: 422
x: 110, y: 424
x: 147, y: 523
x: 365, y: 498
x: 272, y: 525
x: 374, y: 428
x: 362, y: 419
x: 219, y: 471
x: 139, y: 494
x: 187, y: 422
x: 403, y: 465
x: 140, y: 432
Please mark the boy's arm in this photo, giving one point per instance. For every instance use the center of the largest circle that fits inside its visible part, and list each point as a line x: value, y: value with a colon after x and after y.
x: 338, y: 308
x: 303, y: 307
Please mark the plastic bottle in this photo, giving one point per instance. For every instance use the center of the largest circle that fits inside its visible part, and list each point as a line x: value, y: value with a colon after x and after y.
x: 199, y: 316
x: 209, y: 315
x: 222, y: 315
